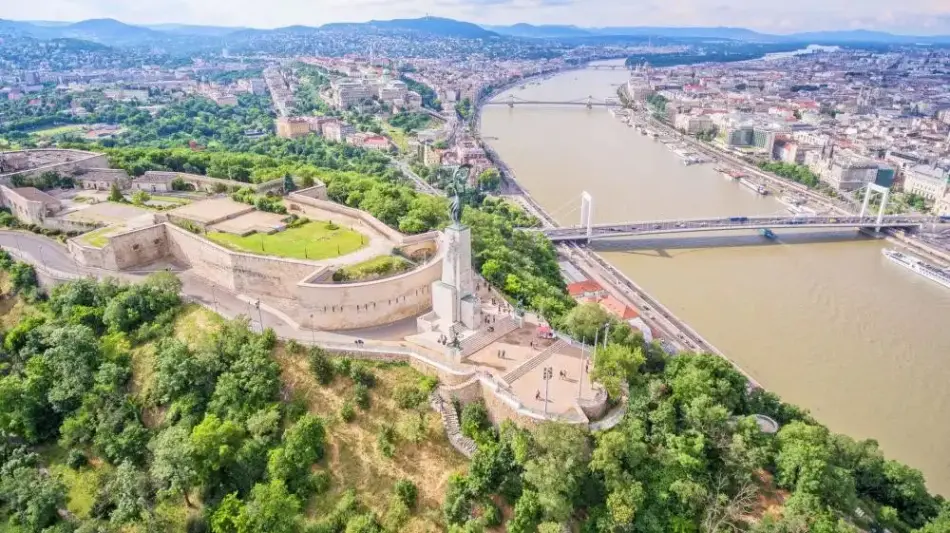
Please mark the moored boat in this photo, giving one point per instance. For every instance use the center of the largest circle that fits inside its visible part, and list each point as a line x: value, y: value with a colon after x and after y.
x: 922, y: 268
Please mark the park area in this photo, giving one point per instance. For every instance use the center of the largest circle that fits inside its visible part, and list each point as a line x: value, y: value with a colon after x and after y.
x: 58, y: 130
x: 313, y: 240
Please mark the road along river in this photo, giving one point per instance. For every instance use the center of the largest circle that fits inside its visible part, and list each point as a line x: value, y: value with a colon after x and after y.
x: 822, y: 319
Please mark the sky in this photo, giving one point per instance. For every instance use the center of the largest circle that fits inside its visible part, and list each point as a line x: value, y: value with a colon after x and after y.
x: 919, y: 17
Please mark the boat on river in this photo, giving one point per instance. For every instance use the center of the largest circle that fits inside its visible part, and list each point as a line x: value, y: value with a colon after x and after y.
x: 757, y: 187
x: 919, y: 266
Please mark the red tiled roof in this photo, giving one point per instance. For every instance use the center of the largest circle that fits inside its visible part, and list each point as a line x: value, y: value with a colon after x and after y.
x: 582, y: 287
x: 618, y: 308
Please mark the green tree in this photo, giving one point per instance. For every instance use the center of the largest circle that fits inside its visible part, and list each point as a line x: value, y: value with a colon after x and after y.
x: 140, y: 197
x: 32, y: 496
x: 270, y: 508
x: 129, y: 492
x: 173, y: 467
x: 489, y: 179
x: 303, y: 446
x: 559, y: 471
x: 615, y: 366
x: 115, y: 195
x: 289, y: 185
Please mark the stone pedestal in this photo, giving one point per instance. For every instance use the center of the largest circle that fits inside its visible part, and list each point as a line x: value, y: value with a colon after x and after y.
x: 453, y: 297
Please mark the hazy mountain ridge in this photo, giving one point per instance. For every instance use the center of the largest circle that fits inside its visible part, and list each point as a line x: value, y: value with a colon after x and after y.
x: 116, y: 33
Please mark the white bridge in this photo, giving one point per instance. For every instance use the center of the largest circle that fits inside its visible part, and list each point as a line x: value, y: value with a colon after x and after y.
x: 587, y: 231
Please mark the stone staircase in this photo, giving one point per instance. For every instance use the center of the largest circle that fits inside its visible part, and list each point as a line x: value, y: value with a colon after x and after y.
x: 453, y: 430
x: 483, y: 338
x: 533, y: 363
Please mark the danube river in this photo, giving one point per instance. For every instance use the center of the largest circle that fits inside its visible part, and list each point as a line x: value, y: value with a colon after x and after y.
x: 821, y: 319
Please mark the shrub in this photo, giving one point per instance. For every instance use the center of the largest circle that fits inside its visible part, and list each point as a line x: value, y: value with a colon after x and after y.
x: 362, y: 375
x: 412, y: 426
x: 321, y: 367
x: 347, y: 412
x: 320, y: 482
x: 474, y: 419
x: 294, y: 347
x: 341, y: 366
x: 408, y: 396
x: 407, y: 492
x: 397, y: 514
x: 386, y: 441
x: 76, y: 459
x: 491, y: 515
x: 332, y: 225
x: 140, y: 197
x: 361, y: 396
x: 269, y: 338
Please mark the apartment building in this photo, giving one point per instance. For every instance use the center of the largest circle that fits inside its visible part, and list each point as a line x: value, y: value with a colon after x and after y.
x: 349, y: 92
x: 292, y: 127
x: 693, y: 124
x: 927, y: 181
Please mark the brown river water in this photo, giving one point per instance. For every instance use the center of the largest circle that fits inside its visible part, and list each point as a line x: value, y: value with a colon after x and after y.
x: 822, y: 319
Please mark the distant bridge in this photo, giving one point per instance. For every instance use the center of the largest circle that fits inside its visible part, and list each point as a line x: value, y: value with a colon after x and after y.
x: 588, y: 102
x: 606, y: 67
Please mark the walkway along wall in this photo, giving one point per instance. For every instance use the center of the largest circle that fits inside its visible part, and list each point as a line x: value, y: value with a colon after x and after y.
x: 284, y: 284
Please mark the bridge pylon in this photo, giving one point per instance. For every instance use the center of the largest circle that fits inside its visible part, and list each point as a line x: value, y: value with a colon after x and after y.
x: 587, y: 214
x: 511, y: 101
x: 590, y: 102
x: 885, y: 194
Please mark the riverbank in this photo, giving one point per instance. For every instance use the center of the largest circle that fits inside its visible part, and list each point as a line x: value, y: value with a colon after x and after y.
x: 783, y: 185
x: 673, y: 330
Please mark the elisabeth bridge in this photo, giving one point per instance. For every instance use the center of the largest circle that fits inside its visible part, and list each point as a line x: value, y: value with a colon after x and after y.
x: 588, y: 231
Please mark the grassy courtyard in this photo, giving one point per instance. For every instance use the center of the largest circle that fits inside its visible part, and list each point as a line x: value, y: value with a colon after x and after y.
x: 49, y: 132
x: 377, y: 267
x: 313, y: 240
x: 98, y: 238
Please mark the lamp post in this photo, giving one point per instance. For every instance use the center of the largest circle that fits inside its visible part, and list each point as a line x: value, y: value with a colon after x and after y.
x: 214, y: 297
x: 548, y: 373
x: 313, y: 333
x: 260, y: 316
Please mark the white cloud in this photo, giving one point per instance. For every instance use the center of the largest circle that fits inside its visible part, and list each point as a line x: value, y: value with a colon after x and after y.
x: 910, y: 16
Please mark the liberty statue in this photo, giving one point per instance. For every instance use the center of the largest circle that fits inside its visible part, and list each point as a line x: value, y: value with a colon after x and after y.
x: 457, y: 185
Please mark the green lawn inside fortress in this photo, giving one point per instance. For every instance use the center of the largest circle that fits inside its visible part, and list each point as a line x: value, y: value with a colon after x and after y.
x: 313, y: 240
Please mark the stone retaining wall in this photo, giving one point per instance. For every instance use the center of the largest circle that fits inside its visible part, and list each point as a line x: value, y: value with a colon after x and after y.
x: 350, y: 212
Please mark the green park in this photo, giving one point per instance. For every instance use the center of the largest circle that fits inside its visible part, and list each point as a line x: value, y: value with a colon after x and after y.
x: 313, y: 240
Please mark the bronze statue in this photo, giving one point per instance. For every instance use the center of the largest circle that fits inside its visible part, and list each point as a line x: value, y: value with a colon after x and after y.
x: 457, y: 185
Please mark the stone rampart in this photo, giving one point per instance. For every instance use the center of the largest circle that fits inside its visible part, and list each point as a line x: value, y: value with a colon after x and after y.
x: 209, y: 260
x: 35, y: 162
x: 371, y: 303
x: 137, y: 247
x: 349, y: 212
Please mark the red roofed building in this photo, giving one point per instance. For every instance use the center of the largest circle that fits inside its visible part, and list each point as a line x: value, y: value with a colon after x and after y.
x: 586, y: 290
x: 618, y: 308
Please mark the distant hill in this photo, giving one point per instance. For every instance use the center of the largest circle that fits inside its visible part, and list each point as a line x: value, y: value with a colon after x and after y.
x: 546, y: 31
x: 191, y: 29
x: 106, y: 31
x: 865, y: 36
x: 436, y: 26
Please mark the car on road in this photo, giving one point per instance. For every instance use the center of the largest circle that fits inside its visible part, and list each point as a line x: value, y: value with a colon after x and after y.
x: 657, y: 226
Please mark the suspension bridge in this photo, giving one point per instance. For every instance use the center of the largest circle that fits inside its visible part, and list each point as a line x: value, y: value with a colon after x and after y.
x: 590, y: 102
x: 588, y: 231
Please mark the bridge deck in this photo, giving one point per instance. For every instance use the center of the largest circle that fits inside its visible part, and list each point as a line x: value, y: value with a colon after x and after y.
x: 602, y: 231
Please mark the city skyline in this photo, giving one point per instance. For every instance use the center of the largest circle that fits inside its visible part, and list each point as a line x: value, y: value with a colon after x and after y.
x: 916, y: 17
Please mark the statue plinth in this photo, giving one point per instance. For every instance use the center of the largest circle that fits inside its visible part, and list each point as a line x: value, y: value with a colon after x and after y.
x: 453, y: 297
